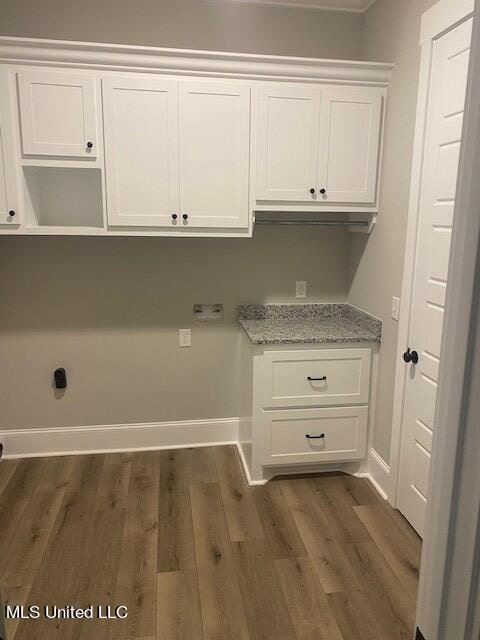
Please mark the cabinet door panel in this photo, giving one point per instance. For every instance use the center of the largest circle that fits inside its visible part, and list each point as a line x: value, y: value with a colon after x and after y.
x: 141, y: 150
x: 214, y: 154
x: 8, y: 182
x: 287, y: 143
x: 349, y: 144
x: 58, y: 114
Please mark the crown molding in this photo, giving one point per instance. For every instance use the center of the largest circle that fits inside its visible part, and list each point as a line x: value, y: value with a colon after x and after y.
x: 287, y: 4
x: 134, y: 58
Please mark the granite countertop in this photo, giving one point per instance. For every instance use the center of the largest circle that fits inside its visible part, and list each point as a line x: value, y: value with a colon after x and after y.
x: 308, y: 323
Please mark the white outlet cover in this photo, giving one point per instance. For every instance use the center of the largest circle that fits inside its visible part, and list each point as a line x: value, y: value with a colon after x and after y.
x: 185, y: 337
x: 301, y: 289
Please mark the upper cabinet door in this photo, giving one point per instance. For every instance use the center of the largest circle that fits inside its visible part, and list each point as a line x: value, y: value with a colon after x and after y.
x: 141, y: 151
x: 58, y: 114
x: 9, y: 213
x: 348, y: 153
x: 214, y: 154
x: 287, y: 142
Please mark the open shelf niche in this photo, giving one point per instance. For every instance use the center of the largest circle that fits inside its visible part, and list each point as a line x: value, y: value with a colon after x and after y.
x: 64, y: 197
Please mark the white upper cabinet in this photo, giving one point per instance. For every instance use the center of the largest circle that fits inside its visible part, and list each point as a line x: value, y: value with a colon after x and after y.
x: 287, y: 143
x: 9, y: 213
x: 318, y: 145
x: 141, y: 151
x: 58, y: 114
x: 349, y: 144
x: 214, y: 148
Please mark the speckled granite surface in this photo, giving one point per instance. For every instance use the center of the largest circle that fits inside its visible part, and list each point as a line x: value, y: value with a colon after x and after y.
x: 308, y: 323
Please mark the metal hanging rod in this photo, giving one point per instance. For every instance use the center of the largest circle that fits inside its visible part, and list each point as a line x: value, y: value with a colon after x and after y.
x: 320, y: 223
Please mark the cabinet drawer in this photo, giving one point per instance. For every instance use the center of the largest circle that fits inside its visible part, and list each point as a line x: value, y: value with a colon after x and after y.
x: 336, y: 434
x: 316, y: 378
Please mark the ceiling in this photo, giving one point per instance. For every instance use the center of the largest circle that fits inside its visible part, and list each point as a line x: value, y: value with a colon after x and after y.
x: 357, y: 6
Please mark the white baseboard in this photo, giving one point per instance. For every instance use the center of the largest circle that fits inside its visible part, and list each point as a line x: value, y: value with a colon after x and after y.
x: 379, y: 473
x: 54, y: 441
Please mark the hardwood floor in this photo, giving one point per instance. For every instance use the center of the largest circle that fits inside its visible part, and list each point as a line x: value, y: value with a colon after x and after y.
x: 195, y: 554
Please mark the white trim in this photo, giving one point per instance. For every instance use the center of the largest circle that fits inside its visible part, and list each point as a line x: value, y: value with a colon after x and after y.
x: 288, y: 4
x: 186, y: 61
x: 379, y: 473
x: 54, y: 441
x: 251, y: 483
x: 432, y: 27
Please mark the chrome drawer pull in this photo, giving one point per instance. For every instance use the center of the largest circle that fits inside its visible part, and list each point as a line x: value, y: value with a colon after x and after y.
x: 322, y: 379
x: 321, y: 436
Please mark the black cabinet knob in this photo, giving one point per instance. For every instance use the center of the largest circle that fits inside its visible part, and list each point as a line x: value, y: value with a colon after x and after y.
x: 312, y: 191
x: 174, y: 216
x: 410, y: 356
x: 185, y: 216
x: 323, y: 191
x: 89, y: 145
x: 11, y: 213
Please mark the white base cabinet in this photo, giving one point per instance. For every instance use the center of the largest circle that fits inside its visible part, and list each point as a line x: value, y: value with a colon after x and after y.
x: 304, y: 407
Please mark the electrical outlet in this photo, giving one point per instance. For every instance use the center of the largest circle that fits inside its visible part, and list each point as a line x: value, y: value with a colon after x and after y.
x: 301, y: 289
x: 395, y: 308
x: 185, y: 337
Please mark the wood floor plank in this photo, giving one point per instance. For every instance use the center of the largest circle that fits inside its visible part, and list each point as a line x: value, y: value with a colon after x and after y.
x: 223, y: 613
x: 398, y: 549
x: 201, y: 465
x: 136, y: 582
x: 26, y: 549
x: 332, y: 567
x: 355, y: 618
x: 310, y: 612
x: 337, y: 504
x: 393, y: 606
x: 15, y: 497
x: 7, y: 469
x: 265, y: 606
x: 281, y: 532
x: 56, y: 581
x: 176, y: 549
x: 178, y: 606
x: 105, y: 537
x: 241, y: 512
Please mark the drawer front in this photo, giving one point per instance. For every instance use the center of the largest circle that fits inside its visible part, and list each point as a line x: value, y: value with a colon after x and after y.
x: 336, y: 434
x: 316, y: 378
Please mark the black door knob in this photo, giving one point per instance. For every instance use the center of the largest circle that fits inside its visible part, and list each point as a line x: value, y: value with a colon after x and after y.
x: 11, y: 213
x: 185, y: 216
x: 312, y: 191
x: 323, y: 191
x: 174, y: 216
x: 89, y: 145
x: 410, y: 356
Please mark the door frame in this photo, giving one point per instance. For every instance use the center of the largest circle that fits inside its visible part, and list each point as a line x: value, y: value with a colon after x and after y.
x: 438, y: 19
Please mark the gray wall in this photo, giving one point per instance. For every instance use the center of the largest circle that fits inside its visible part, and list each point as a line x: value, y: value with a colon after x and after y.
x: 109, y: 309
x: 189, y: 24
x: 391, y: 34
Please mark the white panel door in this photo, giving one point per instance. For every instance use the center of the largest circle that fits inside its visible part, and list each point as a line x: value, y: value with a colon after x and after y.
x: 439, y: 177
x: 350, y: 127
x: 214, y: 146
x: 287, y: 142
x: 141, y: 151
x: 9, y: 213
x: 58, y: 114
